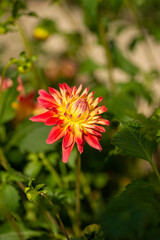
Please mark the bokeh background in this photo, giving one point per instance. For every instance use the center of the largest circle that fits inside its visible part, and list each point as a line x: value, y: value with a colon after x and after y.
x: 113, y: 47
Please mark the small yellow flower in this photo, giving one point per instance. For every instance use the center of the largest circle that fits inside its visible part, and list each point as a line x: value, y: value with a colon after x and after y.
x: 41, y: 33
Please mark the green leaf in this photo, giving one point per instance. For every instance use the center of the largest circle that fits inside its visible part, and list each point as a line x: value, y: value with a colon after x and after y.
x: 121, y: 105
x: 88, y: 66
x: 135, y: 40
x: 39, y: 186
x: 76, y: 239
x: 33, y: 168
x: 74, y: 41
x: 9, y: 198
x: 151, y: 125
x: 32, y: 14
x: 133, y: 143
x: 49, y: 25
x: 18, y: 5
x: 13, y: 176
x: 90, y: 7
x: 135, y: 124
x: 134, y: 89
x: 31, y: 137
x: 26, y: 233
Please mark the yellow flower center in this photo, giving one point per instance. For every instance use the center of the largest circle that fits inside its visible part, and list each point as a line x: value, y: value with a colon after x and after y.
x: 77, y: 110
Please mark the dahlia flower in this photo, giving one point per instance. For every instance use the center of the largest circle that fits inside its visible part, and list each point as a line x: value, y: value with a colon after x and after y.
x: 75, y: 116
x: 25, y: 105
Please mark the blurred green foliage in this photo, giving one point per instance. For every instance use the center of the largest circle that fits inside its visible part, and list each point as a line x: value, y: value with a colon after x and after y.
x: 119, y: 192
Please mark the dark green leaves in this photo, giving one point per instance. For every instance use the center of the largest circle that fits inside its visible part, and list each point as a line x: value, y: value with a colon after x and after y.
x: 7, y: 233
x: 136, y: 89
x: 133, y: 143
x: 17, y: 6
x: 33, y: 193
x: 90, y: 7
x: 134, y: 213
x: 122, y: 62
x: 6, y: 26
x: 93, y: 232
x: 48, y: 24
x: 24, y: 64
x: 91, y: 12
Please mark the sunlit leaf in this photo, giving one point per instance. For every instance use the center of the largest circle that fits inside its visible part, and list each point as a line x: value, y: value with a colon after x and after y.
x: 133, y: 143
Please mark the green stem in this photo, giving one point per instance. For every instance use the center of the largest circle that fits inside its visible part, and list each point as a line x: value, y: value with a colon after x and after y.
x: 49, y: 219
x: 87, y: 191
x: 51, y: 169
x: 71, y: 214
x: 14, y: 225
x: 133, y: 8
x: 104, y: 41
x: 60, y: 184
x: 155, y: 168
x: 29, y: 52
x: 3, y: 160
x: 57, y: 215
x: 78, y: 205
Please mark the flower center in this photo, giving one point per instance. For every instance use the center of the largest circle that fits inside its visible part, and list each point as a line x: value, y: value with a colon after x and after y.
x: 77, y: 110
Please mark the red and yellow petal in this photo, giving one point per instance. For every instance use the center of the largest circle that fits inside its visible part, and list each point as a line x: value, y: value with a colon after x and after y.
x: 98, y: 110
x: 55, y: 134
x: 93, y: 141
x: 67, y: 88
x: 54, y: 92
x: 56, y: 95
x: 45, y: 95
x: 46, y: 103
x: 76, y: 116
x: 99, y: 128
x: 51, y: 121
x: 66, y: 152
x: 96, y: 101
x: 79, y: 90
x: 102, y: 121
x: 42, y: 117
x: 80, y: 148
x: 68, y: 140
x: 64, y: 88
x: 93, y: 132
x: 78, y: 137
x: 85, y: 92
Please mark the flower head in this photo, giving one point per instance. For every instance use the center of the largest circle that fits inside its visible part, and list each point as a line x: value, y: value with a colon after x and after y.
x: 7, y: 83
x: 25, y: 105
x: 41, y: 33
x: 75, y: 116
